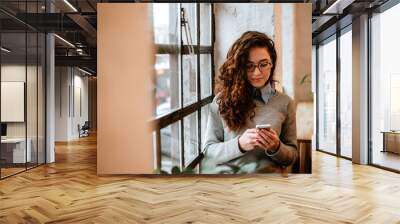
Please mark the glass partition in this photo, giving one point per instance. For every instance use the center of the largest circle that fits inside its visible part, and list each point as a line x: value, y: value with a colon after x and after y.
x: 31, y: 99
x: 327, y: 96
x: 346, y: 94
x: 15, y: 151
x: 41, y: 88
x: 385, y: 89
x: 22, y: 62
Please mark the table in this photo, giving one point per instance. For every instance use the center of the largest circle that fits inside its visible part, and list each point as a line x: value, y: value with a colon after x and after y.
x: 391, y: 141
x: 13, y: 150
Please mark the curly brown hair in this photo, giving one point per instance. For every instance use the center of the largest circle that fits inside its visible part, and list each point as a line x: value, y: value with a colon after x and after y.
x: 235, y: 93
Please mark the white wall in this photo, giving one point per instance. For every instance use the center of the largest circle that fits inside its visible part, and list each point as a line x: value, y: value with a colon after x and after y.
x: 287, y: 50
x: 69, y: 84
x: 233, y: 19
x: 80, y: 84
x: 12, y: 73
x: 61, y: 103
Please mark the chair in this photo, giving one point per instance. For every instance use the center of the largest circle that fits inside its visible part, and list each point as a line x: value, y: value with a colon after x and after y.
x: 84, y: 130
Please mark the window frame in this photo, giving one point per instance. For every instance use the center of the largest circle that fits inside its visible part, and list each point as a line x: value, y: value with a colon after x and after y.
x: 326, y: 37
x: 378, y: 10
x: 336, y: 28
x: 176, y: 115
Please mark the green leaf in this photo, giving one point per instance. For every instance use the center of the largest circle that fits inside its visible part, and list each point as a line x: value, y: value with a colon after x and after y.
x: 175, y: 170
x: 164, y: 172
x: 305, y: 79
x: 159, y: 171
x: 188, y: 171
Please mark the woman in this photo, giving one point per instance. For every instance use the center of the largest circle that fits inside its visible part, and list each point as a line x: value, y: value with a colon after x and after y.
x: 246, y: 97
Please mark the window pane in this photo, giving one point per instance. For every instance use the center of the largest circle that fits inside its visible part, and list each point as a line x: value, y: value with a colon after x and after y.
x: 167, y: 89
x: 170, y: 147
x: 190, y: 137
x: 189, y: 31
x: 205, y: 75
x: 205, y: 24
x: 394, y: 101
x: 32, y: 88
x: 385, y: 84
x: 204, y: 119
x: 327, y: 97
x: 154, y: 146
x: 189, y: 64
x: 166, y: 23
x: 346, y: 94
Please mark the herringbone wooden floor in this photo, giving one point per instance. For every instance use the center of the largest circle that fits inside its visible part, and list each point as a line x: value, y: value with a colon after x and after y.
x: 70, y: 192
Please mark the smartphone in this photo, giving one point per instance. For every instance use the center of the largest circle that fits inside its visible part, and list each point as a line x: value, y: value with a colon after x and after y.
x: 262, y: 126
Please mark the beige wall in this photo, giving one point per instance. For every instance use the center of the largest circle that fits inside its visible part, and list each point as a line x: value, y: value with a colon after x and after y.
x: 124, y: 94
x: 292, y: 29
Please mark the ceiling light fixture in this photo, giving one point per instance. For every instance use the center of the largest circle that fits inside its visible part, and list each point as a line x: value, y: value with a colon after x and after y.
x: 70, y: 5
x: 5, y: 50
x: 84, y: 71
x: 64, y: 40
x: 79, y: 51
x: 337, y: 7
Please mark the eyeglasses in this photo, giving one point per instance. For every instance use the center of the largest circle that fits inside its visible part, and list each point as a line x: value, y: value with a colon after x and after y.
x: 262, y: 66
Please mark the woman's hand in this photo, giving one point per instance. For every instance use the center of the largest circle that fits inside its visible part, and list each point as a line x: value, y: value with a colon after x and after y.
x: 249, y: 140
x: 269, y: 140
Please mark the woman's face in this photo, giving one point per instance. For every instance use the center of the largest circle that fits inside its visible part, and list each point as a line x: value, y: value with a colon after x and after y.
x: 258, y: 66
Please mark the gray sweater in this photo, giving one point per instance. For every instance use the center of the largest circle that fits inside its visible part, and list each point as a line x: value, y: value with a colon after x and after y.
x: 221, y: 147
